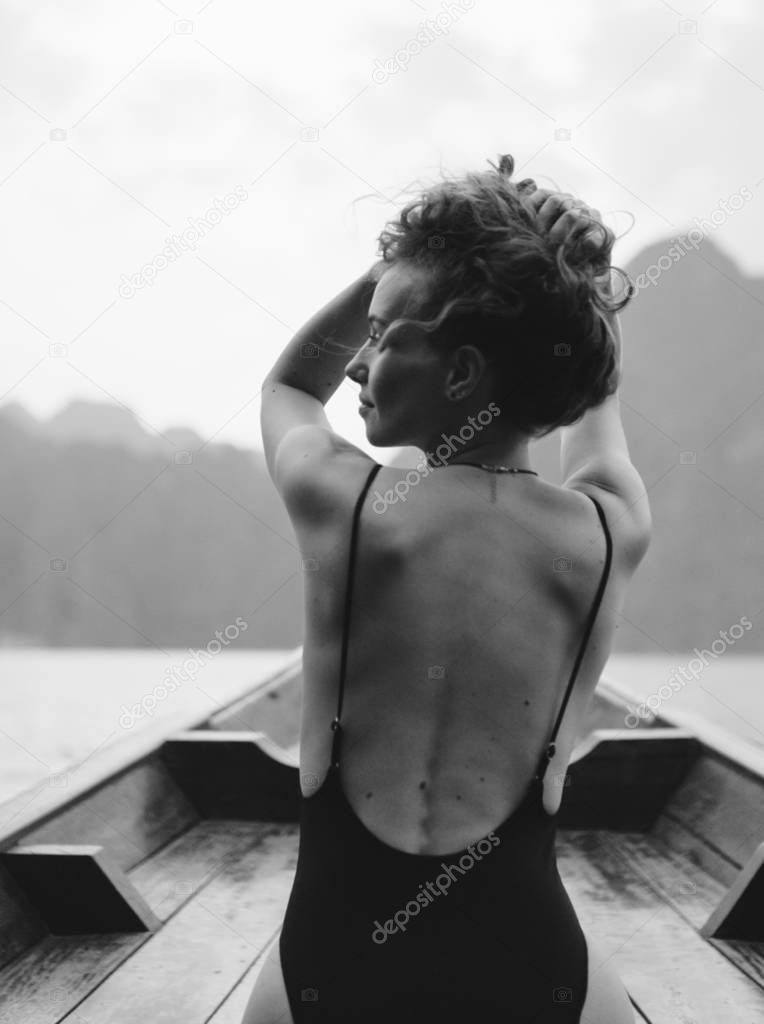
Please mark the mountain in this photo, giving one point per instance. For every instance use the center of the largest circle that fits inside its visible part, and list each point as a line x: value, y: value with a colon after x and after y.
x: 694, y: 417
x: 111, y: 533
x: 20, y: 417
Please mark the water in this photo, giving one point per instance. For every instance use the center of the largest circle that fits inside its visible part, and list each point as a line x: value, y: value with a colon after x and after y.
x: 58, y: 706
x: 724, y: 691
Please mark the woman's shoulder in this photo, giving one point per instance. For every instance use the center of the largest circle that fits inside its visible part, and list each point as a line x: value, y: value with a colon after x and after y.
x: 325, y: 485
x: 622, y: 520
x: 416, y: 506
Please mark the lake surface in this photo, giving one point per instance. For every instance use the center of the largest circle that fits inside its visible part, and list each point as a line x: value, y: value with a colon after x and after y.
x: 59, y: 706
x: 727, y: 692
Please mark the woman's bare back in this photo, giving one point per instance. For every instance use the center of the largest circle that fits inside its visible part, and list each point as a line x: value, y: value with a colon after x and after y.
x: 467, y: 619
x: 463, y: 609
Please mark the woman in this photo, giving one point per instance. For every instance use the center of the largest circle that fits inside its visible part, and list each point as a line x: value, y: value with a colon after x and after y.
x: 438, y: 718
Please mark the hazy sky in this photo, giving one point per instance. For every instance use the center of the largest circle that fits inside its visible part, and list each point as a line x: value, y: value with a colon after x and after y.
x: 123, y: 124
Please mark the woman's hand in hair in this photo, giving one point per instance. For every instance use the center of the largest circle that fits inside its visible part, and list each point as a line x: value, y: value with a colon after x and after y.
x: 564, y: 218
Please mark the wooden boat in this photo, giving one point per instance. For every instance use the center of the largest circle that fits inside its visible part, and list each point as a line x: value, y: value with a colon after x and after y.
x: 150, y: 886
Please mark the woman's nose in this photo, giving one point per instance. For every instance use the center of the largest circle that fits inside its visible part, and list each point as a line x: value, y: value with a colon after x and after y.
x: 356, y: 369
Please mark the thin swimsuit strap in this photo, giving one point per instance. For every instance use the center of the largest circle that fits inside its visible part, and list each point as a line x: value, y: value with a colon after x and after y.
x: 550, y: 748
x: 335, y: 762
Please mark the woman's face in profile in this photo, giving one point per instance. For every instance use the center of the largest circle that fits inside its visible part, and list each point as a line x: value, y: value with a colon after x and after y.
x: 401, y: 375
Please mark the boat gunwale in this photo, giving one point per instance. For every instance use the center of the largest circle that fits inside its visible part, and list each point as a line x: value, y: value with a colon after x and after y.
x: 738, y: 753
x: 118, y: 759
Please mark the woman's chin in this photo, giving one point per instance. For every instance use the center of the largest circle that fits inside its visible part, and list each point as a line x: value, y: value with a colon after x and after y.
x: 383, y: 433
x: 374, y: 437
x: 379, y: 437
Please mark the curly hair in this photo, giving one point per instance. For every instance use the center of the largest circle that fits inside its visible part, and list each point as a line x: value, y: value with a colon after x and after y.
x: 534, y: 307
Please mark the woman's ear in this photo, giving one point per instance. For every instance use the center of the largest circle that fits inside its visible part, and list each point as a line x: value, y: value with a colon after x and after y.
x: 466, y: 368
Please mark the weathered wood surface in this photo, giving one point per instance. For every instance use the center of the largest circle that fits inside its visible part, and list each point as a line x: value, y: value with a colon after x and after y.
x: 184, y: 972
x: 722, y: 804
x: 130, y: 815
x: 20, y: 924
x: 674, y: 835
x: 670, y: 970
x: 622, y: 778
x: 740, y: 914
x: 724, y: 744
x: 45, y: 982
x: 608, y: 711
x: 693, y: 893
x: 78, y: 889
x: 274, y: 709
x: 232, y: 1009
x: 234, y: 774
x: 682, y: 883
x: 747, y: 956
x: 171, y: 877
x: 58, y: 973
x: 50, y: 797
x: 221, y: 885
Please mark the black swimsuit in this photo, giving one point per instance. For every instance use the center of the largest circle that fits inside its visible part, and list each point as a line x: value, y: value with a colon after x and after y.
x: 374, y: 934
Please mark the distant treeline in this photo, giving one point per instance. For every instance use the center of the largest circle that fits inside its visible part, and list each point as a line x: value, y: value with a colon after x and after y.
x: 110, y: 534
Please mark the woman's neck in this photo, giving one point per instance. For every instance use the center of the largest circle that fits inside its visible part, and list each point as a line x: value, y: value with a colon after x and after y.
x: 512, y: 453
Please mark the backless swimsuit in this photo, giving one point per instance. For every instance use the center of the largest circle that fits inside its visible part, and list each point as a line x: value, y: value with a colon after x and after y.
x: 375, y: 934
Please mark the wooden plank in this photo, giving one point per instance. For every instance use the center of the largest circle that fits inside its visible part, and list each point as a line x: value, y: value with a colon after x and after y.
x: 740, y: 913
x: 671, y: 972
x: 171, y: 876
x: 274, y: 709
x: 20, y: 924
x: 674, y: 876
x: 608, y: 710
x: 621, y: 778
x: 722, y: 804
x: 735, y: 749
x: 43, y: 801
x: 131, y: 815
x: 235, y: 774
x: 691, y: 891
x: 747, y: 956
x: 186, y: 970
x: 47, y: 981
x: 673, y: 834
x: 78, y: 889
x: 231, y: 1011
